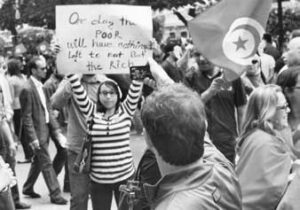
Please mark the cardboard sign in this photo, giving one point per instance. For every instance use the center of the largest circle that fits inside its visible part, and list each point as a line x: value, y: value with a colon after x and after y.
x: 103, y: 38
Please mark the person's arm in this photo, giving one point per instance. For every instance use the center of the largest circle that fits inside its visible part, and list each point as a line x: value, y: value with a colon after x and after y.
x: 55, y: 131
x: 240, y: 114
x: 240, y: 100
x: 8, y: 137
x: 8, y: 99
x: 131, y: 101
x: 214, y: 88
x: 182, y: 62
x: 85, y: 104
x: 161, y: 78
x: 62, y: 95
x: 7, y: 177
x: 271, y: 70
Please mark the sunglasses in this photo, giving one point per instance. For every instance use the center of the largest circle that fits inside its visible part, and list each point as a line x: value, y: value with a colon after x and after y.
x: 254, y: 61
x: 43, y: 69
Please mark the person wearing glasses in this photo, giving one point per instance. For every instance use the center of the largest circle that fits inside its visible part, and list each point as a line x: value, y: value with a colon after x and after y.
x: 265, y: 163
x: 111, y: 159
x: 37, y: 119
x: 224, y: 104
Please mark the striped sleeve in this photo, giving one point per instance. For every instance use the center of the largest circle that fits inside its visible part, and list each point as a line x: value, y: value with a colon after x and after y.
x: 86, y: 105
x: 133, y: 96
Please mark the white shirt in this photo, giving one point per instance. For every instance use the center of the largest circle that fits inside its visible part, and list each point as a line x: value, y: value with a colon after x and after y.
x: 267, y: 66
x: 39, y: 87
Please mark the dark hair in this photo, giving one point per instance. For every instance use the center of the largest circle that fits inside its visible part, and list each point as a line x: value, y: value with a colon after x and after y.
x: 14, y: 67
x: 288, y: 79
x: 267, y: 37
x: 112, y: 84
x: 174, y: 118
x: 32, y: 64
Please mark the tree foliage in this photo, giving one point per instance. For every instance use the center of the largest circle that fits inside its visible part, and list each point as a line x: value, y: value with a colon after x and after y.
x: 42, y: 12
x: 291, y: 21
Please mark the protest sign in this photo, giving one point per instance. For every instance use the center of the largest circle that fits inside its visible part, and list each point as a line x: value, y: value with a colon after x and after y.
x: 103, y: 38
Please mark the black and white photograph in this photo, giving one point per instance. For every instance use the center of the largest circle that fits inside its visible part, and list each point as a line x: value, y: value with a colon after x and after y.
x: 150, y: 104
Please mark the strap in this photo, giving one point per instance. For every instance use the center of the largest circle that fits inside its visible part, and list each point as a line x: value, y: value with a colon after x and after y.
x: 137, y: 175
x: 90, y: 124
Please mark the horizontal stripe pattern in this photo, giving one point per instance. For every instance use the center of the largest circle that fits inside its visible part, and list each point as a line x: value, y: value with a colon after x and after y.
x: 112, y: 160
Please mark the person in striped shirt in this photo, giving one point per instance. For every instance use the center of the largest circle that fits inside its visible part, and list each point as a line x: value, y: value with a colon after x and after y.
x: 112, y: 161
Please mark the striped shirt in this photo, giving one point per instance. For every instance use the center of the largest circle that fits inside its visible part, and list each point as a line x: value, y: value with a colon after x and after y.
x: 112, y: 160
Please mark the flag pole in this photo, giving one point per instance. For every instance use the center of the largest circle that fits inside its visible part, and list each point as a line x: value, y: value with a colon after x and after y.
x: 280, y: 25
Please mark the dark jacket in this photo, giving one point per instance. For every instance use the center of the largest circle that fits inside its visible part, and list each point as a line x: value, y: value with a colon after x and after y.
x: 33, y: 114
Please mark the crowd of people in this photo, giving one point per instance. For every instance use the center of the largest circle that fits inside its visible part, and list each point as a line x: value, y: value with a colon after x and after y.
x: 211, y: 143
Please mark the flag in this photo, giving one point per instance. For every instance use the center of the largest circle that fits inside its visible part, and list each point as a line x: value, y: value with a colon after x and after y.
x: 228, y: 33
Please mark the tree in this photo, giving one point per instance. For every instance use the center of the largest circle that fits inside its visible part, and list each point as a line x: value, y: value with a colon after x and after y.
x: 42, y: 12
x: 7, y: 16
x: 291, y: 21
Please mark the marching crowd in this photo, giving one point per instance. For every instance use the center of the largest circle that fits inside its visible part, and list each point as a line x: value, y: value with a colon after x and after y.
x: 211, y: 143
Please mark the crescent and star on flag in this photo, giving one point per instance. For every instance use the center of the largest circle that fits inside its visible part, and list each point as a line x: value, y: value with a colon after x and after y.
x: 242, y: 39
x: 229, y: 37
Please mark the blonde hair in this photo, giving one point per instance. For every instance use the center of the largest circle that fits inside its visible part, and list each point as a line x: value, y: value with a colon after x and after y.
x: 261, y: 107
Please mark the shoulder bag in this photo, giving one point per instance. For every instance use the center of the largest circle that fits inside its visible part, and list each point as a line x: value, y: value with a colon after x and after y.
x: 82, y: 163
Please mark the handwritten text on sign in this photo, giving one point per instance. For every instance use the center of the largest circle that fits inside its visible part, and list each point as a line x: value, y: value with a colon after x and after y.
x: 103, y: 38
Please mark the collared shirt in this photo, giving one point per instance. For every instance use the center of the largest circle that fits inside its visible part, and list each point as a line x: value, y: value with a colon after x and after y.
x: 39, y: 87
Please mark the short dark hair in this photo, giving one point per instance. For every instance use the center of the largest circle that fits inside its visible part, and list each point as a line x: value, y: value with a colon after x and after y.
x: 267, y: 37
x: 174, y: 118
x: 114, y: 86
x: 288, y: 79
x: 13, y: 67
x: 32, y: 64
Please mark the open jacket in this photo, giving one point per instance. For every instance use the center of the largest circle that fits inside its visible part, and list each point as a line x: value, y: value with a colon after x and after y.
x: 33, y: 114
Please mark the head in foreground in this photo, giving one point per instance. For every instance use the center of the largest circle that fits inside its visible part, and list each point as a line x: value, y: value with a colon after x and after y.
x: 174, y: 119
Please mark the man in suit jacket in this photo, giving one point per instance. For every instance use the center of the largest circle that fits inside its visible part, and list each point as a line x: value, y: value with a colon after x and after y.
x: 37, y: 123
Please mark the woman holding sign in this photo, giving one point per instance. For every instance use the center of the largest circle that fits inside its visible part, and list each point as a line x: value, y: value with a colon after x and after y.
x: 111, y: 160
